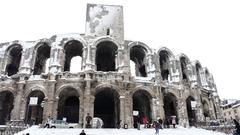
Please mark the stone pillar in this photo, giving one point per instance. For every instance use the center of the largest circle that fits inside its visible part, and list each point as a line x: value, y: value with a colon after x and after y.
x: 174, y: 71
x: 88, y: 100
x: 46, y: 109
x: 55, y: 108
x: 56, y: 59
x: 88, y: 62
x: 150, y: 66
x: 154, y: 108
x: 122, y: 109
x: 129, y: 111
x: 18, y: 102
x: 183, y: 117
x: 93, y: 57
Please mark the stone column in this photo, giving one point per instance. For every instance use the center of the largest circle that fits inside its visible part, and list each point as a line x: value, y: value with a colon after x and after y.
x: 122, y: 109
x: 55, y: 108
x: 88, y: 100
x: 56, y: 59
x: 46, y: 109
x: 183, y: 117
x: 93, y: 57
x: 129, y: 111
x: 150, y: 66
x: 18, y: 102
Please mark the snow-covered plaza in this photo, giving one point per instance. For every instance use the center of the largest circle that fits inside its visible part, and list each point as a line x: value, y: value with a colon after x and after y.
x: 178, y: 131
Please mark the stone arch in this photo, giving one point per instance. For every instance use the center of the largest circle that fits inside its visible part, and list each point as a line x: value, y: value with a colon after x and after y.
x: 138, y: 52
x: 191, y: 111
x: 103, y: 39
x: 170, y: 105
x: 142, y: 103
x: 68, y: 104
x: 72, y: 49
x: 165, y: 56
x: 6, y: 103
x: 34, y: 110
x: 206, y: 110
x: 12, y: 57
x: 42, y: 52
x: 106, y: 54
x: 104, y: 85
x: 64, y: 38
x: 199, y: 70
x: 60, y: 89
x: 144, y: 88
x: 184, y: 63
x: 35, y: 88
x: 107, y: 105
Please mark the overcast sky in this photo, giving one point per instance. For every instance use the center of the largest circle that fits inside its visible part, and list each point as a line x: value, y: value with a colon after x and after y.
x: 204, y: 30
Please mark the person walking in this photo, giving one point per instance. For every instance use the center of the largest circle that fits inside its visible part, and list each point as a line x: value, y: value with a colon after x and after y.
x: 82, y: 133
x: 173, y: 121
x: 237, y: 127
x: 88, y: 119
x: 47, y: 122
x: 157, y: 125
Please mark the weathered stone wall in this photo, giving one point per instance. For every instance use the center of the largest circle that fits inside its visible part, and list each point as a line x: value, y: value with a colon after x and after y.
x: 184, y: 79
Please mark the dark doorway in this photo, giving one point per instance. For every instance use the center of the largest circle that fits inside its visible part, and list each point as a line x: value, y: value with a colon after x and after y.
x: 43, y: 53
x: 141, y: 103
x: 164, y: 64
x: 191, y: 112
x: 34, y: 113
x: 72, y: 49
x: 68, y: 105
x: 138, y: 56
x: 106, y: 107
x: 184, y: 63
x: 205, y: 109
x: 170, y: 105
x: 105, y: 56
x: 6, y: 106
x: 13, y: 59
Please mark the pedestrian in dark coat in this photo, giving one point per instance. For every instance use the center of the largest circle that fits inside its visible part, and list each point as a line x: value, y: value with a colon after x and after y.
x: 82, y: 133
x: 237, y: 127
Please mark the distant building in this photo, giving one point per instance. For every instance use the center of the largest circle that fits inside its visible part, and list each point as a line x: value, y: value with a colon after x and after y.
x: 231, y: 109
x: 37, y: 81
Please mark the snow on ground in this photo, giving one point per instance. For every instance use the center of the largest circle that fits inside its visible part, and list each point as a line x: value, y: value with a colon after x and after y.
x: 178, y: 131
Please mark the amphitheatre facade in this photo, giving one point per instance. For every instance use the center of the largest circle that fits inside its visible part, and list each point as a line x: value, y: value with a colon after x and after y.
x: 162, y: 84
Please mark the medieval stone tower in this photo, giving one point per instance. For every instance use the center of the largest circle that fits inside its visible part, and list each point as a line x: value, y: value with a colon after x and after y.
x: 37, y: 81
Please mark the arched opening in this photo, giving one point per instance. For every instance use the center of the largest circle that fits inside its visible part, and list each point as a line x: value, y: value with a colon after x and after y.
x: 132, y: 68
x: 106, y: 56
x: 72, y: 48
x: 198, y: 72
x: 138, y: 56
x: 107, y: 107
x: 141, y: 104
x: 76, y: 62
x: 43, y: 53
x: 191, y: 108
x: 6, y: 106
x: 68, y: 105
x: 13, y: 59
x: 170, y: 106
x: 184, y: 63
x: 47, y: 65
x: 215, y: 111
x: 164, y: 64
x: 206, y: 112
x: 34, y: 112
